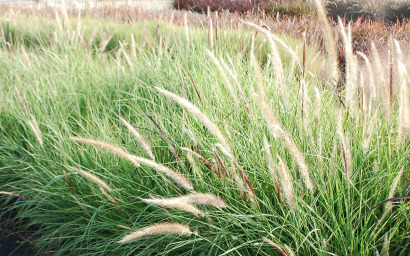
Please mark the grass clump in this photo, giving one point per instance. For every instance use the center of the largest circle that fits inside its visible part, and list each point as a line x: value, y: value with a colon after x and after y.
x: 295, y: 166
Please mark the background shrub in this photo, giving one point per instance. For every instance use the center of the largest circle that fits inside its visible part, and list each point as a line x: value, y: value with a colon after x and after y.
x: 397, y: 12
x: 202, y: 5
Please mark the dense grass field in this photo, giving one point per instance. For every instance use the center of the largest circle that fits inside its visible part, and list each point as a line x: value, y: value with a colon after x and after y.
x: 156, y: 139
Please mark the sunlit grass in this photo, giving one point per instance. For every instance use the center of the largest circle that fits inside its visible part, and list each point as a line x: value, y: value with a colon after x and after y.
x: 73, y: 87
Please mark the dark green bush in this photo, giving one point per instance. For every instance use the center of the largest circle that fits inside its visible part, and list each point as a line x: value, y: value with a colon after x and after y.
x: 349, y: 10
x: 399, y: 12
x: 215, y: 5
x: 294, y: 8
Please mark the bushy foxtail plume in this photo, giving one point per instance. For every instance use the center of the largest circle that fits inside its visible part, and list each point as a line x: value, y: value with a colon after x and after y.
x: 136, y: 161
x: 318, y: 109
x: 175, y: 204
x: 110, y: 198
x: 204, y: 199
x: 277, y: 61
x: 139, y: 138
x: 186, y: 32
x: 187, y: 202
x: 37, y: 132
x: 113, y: 149
x: 197, y: 172
x: 369, y: 132
x: 210, y: 31
x: 224, y: 77
x: 234, y: 76
x: 372, y: 85
x: 404, y: 111
x: 389, y: 205
x: 329, y: 41
x: 94, y: 35
x: 177, y: 177
x: 382, y: 86
x: 347, y: 157
x: 200, y: 116
x: 269, y: 159
x: 158, y: 229
x: 282, y: 43
x: 170, y: 25
x: 286, y: 181
x: 304, y: 98
x: 79, y: 203
x: 92, y: 177
x: 275, y: 245
x: 11, y: 194
x: 351, y: 73
x: 277, y: 131
x: 255, y: 64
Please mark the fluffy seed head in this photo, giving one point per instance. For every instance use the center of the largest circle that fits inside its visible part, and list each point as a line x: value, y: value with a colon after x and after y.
x: 199, y: 115
x: 158, y: 229
x: 286, y: 182
x: 92, y: 177
x: 175, y: 203
x: 113, y: 149
x: 177, y: 177
x: 139, y: 138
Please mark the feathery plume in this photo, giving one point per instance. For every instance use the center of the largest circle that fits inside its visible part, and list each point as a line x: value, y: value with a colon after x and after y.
x: 37, y: 132
x: 257, y: 67
x: 329, y: 41
x: 277, y: 61
x: 11, y: 194
x: 276, y: 130
x: 209, y: 164
x: 194, y: 166
x: 168, y: 38
x: 269, y: 158
x: 282, y: 43
x: 133, y: 47
x: 234, y: 76
x: 286, y: 182
x: 386, y: 244
x: 22, y: 101
x: 404, y: 111
x: 275, y: 245
x: 192, y: 137
x: 318, y: 105
x: 78, y: 202
x: 372, y: 84
x: 109, y: 198
x: 127, y: 58
x: 290, y: 251
x: 351, y: 79
x: 224, y: 77
x: 158, y: 229
x: 347, y: 157
x: 205, y: 199
x: 94, y: 34
x: 139, y: 138
x: 113, y: 149
x: 381, y: 82
x: 186, y: 32
x: 210, y: 32
x: 92, y: 177
x: 136, y: 160
x: 304, y: 98
x: 175, y: 204
x: 200, y: 116
x: 370, y: 131
x: 177, y: 177
x: 389, y: 205
x: 24, y: 52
